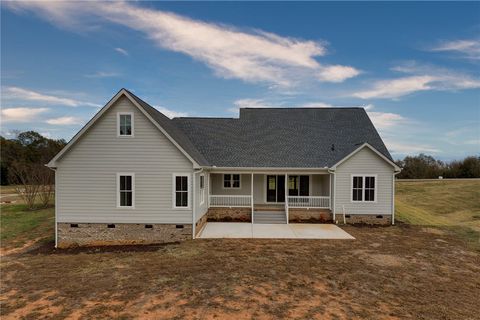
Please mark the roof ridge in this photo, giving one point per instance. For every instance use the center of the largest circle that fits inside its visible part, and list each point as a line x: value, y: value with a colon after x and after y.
x: 306, y: 108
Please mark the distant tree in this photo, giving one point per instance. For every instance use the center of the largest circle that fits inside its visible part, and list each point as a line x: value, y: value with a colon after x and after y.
x: 420, y: 167
x: 426, y: 167
x: 28, y: 147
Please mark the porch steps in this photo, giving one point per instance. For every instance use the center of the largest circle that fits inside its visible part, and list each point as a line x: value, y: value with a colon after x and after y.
x: 273, y: 217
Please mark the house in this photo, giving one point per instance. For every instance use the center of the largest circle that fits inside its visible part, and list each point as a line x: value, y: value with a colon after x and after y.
x: 132, y: 175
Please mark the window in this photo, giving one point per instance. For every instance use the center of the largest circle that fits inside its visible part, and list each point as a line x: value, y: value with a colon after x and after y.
x: 299, y: 186
x: 180, y: 191
x: 363, y: 188
x: 126, y: 192
x: 202, y: 189
x: 125, y: 124
x: 231, y: 181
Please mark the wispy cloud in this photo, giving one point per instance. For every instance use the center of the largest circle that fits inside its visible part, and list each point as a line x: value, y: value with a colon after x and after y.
x: 398, y: 148
x: 467, y: 48
x: 63, y: 121
x: 21, y: 94
x: 21, y: 114
x: 419, y: 78
x: 122, y: 51
x: 252, y: 56
x: 102, y: 74
x: 171, y: 113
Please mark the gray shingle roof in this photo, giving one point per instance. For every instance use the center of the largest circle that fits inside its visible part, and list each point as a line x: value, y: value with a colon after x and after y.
x: 272, y: 137
x: 282, y: 137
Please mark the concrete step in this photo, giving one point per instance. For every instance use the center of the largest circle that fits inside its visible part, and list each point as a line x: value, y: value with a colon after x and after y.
x: 269, y: 217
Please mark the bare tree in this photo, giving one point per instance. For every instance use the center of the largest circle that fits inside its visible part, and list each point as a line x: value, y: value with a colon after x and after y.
x: 46, y: 180
x: 25, y: 176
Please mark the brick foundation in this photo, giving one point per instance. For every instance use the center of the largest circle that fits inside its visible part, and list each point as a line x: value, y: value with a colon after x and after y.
x: 96, y: 234
x: 223, y: 214
x: 371, y: 219
x: 309, y: 215
x: 200, y: 223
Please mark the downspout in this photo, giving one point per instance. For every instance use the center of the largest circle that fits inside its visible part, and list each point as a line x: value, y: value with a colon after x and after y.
x: 194, y: 200
x: 56, y: 226
x: 334, y: 192
x: 393, y: 195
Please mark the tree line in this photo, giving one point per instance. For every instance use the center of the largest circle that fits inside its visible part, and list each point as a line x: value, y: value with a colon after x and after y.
x: 22, y: 164
x: 427, y: 167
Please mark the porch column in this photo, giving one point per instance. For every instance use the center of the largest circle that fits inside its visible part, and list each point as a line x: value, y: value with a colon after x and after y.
x: 286, y: 196
x: 330, y: 191
x: 251, y: 194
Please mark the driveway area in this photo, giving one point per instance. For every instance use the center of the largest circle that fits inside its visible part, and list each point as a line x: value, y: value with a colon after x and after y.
x: 272, y: 231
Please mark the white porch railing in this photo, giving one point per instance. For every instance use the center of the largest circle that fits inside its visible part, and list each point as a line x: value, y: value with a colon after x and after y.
x: 230, y: 201
x: 308, y: 202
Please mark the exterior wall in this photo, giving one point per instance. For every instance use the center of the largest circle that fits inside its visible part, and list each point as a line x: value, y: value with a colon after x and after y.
x: 96, y: 234
x: 259, y: 189
x: 229, y: 214
x: 319, y: 185
x: 309, y: 215
x: 217, y: 185
x: 364, y: 162
x: 87, y: 174
x: 201, y: 208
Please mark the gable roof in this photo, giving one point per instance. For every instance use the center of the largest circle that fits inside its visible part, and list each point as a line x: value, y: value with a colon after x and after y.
x: 283, y: 137
x: 163, y: 123
x: 262, y: 138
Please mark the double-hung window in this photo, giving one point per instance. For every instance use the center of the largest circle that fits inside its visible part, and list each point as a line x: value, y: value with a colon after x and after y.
x: 126, y: 190
x: 231, y: 181
x: 181, y: 191
x: 202, y: 189
x: 125, y: 124
x: 363, y: 188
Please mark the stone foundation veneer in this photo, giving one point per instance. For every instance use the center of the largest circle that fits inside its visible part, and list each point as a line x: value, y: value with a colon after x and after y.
x: 371, y: 219
x: 309, y: 215
x: 97, y: 234
x: 200, y: 223
x: 229, y: 214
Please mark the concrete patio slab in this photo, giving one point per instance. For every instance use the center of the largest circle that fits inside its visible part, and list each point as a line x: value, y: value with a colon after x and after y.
x: 272, y: 231
x: 319, y: 231
x: 244, y: 230
x: 226, y: 230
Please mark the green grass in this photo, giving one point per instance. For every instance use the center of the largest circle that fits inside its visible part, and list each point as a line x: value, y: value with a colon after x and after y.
x: 451, y: 205
x: 20, y: 225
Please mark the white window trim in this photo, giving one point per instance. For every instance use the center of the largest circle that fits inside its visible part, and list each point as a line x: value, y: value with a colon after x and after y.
x: 202, y: 190
x: 231, y: 181
x: 189, y: 192
x: 118, y: 190
x: 363, y: 187
x: 132, y: 123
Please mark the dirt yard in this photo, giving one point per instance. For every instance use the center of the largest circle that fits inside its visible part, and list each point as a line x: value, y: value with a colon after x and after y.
x: 387, y: 273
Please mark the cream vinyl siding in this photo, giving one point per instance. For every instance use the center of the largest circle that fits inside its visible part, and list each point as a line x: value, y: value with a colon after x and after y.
x: 364, y: 162
x: 86, y: 175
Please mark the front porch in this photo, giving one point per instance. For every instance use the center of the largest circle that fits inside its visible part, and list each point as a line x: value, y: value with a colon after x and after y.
x: 273, y: 198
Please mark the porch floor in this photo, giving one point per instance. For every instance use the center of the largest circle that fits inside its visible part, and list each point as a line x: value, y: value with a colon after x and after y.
x: 245, y: 230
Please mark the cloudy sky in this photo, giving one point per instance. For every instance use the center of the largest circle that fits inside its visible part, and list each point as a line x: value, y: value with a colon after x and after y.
x: 415, y: 67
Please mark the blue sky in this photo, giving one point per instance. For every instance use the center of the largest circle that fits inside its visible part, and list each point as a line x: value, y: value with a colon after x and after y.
x: 413, y: 66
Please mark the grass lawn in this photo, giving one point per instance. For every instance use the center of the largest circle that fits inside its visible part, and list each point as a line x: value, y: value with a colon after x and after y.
x: 20, y: 226
x: 450, y: 205
x: 418, y: 269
